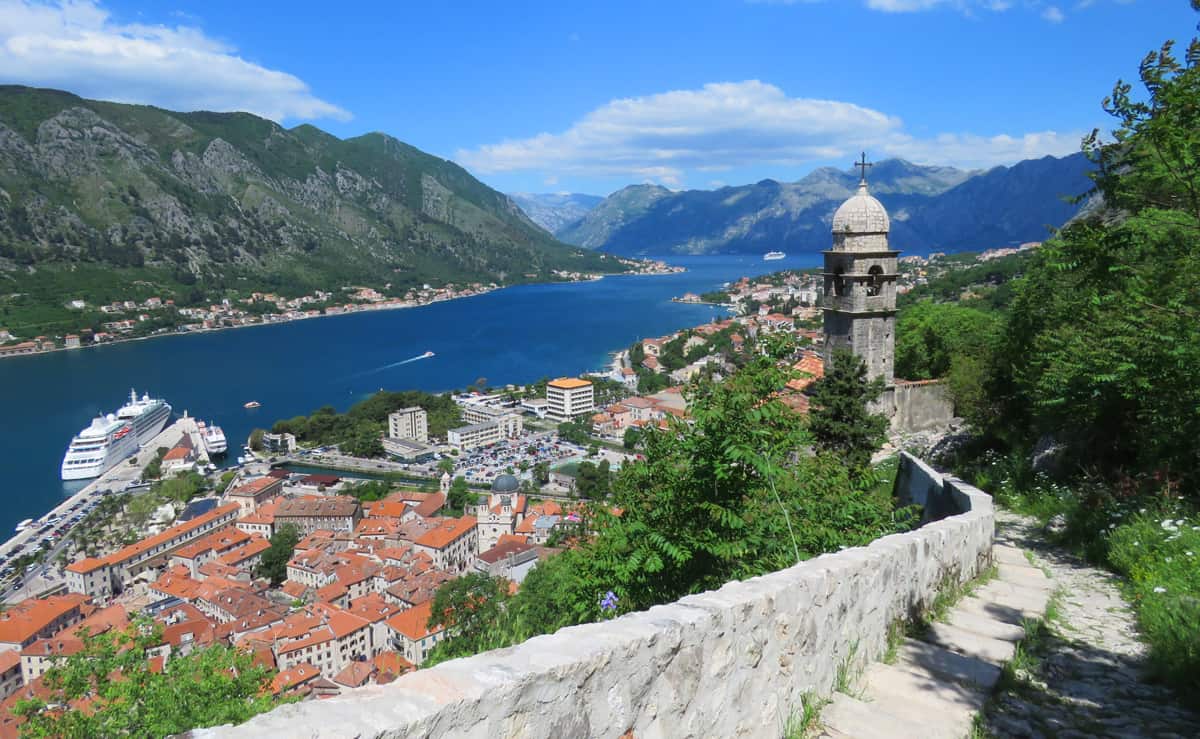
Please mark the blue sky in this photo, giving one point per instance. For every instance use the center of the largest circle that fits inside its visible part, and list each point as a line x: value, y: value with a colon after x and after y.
x: 588, y: 97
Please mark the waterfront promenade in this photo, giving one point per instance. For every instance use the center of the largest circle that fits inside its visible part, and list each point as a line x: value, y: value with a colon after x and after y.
x: 115, y: 480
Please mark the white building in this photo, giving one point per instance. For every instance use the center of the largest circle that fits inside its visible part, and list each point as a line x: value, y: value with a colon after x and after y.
x: 409, y: 423
x: 486, y: 433
x: 568, y: 398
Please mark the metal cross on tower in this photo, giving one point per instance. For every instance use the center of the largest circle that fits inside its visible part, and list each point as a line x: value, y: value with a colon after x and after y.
x: 863, y: 165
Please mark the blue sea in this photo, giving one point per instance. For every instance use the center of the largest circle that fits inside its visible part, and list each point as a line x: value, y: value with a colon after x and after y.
x: 514, y: 335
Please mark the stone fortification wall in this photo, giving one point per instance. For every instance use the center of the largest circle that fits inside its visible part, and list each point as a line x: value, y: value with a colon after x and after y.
x: 733, y: 662
x: 921, y: 405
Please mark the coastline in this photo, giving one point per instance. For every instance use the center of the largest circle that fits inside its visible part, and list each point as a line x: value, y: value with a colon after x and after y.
x: 367, y: 307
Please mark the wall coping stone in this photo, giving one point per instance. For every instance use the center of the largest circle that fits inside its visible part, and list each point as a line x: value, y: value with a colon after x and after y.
x: 735, y: 661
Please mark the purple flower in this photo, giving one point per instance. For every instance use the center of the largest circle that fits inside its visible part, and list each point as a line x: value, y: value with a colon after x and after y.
x: 609, y: 601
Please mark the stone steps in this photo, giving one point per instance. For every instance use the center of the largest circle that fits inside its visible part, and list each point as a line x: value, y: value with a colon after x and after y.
x: 940, y: 681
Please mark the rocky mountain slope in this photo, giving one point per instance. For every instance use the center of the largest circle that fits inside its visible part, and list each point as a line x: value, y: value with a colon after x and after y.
x: 931, y: 208
x: 213, y: 197
x: 554, y: 210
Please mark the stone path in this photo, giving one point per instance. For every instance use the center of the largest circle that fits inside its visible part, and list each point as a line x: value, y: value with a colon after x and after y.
x: 1087, y: 680
x: 940, y: 681
x: 1084, y: 678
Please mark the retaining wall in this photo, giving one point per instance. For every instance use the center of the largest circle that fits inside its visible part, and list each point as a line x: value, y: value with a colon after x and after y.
x: 733, y: 662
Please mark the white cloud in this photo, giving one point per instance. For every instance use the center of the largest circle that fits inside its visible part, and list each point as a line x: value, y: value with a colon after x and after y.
x: 1053, y: 14
x: 77, y: 46
x: 721, y: 126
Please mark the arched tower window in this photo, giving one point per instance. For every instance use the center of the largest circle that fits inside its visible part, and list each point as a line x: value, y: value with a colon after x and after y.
x: 875, y: 284
x: 839, y: 282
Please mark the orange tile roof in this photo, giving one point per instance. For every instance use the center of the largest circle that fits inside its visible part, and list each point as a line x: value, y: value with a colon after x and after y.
x: 414, y: 623
x: 179, y: 452
x: 254, y: 487
x: 431, y: 505
x: 568, y: 383
x: 373, y: 607
x: 294, y: 677
x: 355, y: 674
x: 391, y: 665
x: 137, y: 548
x: 385, y: 509
x: 448, y: 531
x: 21, y: 622
x: 9, y: 659
x: 86, y: 565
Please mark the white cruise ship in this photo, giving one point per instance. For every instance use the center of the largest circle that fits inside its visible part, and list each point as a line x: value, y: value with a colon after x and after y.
x: 772, y: 256
x: 148, y: 415
x: 106, y: 441
x: 214, y: 438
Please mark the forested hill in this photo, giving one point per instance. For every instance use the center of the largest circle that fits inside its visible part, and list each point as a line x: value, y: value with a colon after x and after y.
x: 932, y: 208
x: 207, y: 198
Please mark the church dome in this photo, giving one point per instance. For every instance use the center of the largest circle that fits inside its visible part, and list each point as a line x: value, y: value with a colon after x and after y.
x: 505, y: 484
x: 861, y: 214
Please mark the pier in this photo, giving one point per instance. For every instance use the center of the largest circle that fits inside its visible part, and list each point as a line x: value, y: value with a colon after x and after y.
x: 45, y: 578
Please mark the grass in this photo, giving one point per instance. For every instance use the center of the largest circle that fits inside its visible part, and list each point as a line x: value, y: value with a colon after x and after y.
x: 895, y: 637
x: 800, y: 724
x: 848, y: 672
x: 948, y: 595
x: 1149, y: 536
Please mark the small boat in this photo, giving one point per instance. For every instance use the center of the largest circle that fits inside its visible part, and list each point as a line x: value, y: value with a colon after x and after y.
x: 427, y: 355
x: 252, y: 404
x: 24, y: 525
x: 771, y: 256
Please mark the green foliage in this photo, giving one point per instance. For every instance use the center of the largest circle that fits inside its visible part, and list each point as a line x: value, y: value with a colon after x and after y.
x: 930, y: 335
x: 273, y: 563
x: 471, y: 608
x: 1158, y: 554
x: 841, y: 422
x: 256, y: 439
x: 460, y: 495
x: 576, y: 432
x: 631, y: 438
x: 371, y: 490
x: 359, y: 431
x: 592, y: 481
x: 125, y: 698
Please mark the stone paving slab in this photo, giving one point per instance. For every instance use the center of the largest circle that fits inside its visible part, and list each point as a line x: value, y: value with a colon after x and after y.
x: 986, y: 625
x: 1025, y: 575
x: 1006, y: 613
x: 939, y: 661
x: 1014, y: 596
x: 854, y: 718
x: 943, y: 708
x: 1009, y: 554
x: 971, y: 644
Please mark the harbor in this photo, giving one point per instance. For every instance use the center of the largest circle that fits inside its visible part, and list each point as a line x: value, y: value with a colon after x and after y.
x: 49, y: 533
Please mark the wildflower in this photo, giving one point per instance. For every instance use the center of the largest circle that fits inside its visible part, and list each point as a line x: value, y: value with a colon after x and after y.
x: 609, y: 602
x: 1189, y: 554
x: 1160, y: 589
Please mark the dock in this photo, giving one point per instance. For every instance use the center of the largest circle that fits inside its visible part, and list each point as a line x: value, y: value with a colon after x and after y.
x: 114, y: 480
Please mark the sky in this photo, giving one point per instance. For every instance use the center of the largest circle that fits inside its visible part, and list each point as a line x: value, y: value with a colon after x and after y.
x: 575, y: 96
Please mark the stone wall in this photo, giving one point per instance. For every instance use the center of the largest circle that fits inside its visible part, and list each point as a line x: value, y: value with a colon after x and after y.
x: 921, y: 405
x: 733, y: 662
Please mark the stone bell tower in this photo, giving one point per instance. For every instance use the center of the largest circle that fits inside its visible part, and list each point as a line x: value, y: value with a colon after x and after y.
x: 860, y: 285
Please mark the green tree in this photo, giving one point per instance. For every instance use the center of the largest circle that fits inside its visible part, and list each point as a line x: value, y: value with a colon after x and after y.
x: 471, y: 608
x: 125, y: 698
x: 541, y: 473
x: 632, y: 437
x: 841, y: 421
x: 445, y: 465
x: 460, y: 495
x: 256, y: 437
x: 273, y: 564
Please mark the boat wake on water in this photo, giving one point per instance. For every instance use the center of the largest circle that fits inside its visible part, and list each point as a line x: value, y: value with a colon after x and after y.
x: 410, y: 360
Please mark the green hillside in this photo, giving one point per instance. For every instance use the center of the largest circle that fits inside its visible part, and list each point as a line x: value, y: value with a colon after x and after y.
x: 95, y: 196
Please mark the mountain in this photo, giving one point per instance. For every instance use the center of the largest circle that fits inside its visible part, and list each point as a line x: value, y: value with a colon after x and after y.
x: 554, y: 210
x: 931, y: 208
x: 225, y: 200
